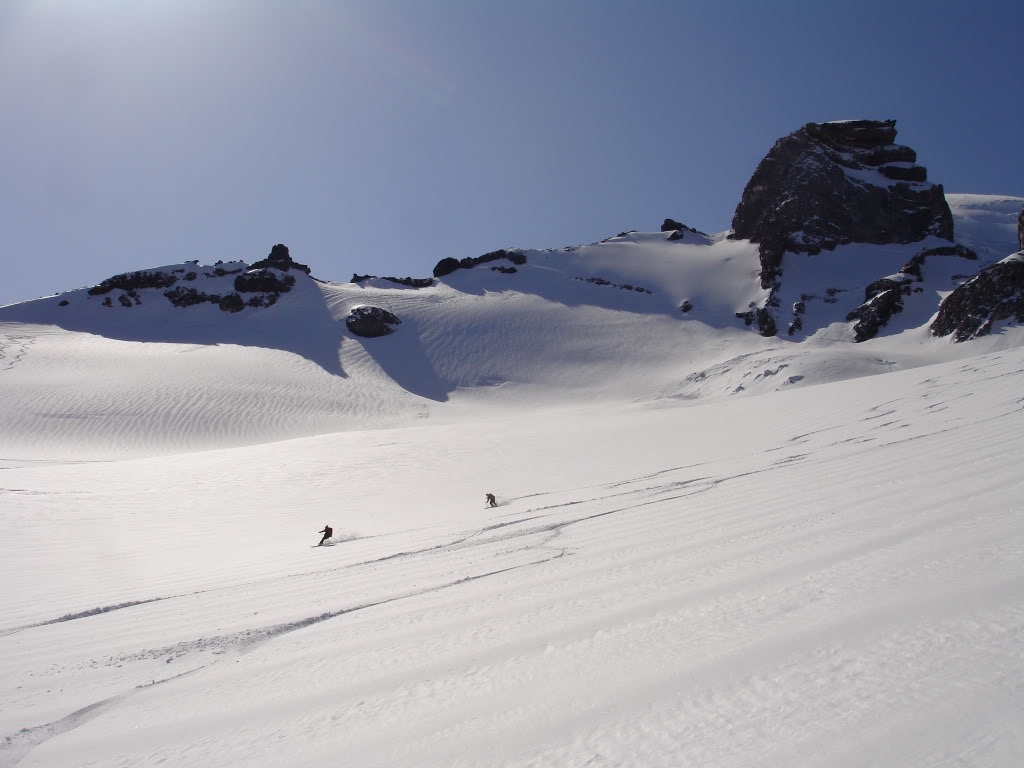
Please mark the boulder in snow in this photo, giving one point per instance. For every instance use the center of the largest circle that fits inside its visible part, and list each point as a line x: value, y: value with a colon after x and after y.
x: 371, y: 322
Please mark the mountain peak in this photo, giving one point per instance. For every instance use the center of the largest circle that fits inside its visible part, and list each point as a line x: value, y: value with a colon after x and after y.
x: 828, y: 184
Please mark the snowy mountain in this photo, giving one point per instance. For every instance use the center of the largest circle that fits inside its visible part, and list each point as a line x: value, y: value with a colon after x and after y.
x: 155, y: 359
x: 719, y: 541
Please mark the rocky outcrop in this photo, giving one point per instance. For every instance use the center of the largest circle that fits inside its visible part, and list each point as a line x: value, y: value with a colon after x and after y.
x: 371, y: 322
x: 829, y: 184
x: 263, y: 283
x: 409, y: 282
x: 762, y: 316
x: 449, y: 265
x: 279, y: 258
x: 231, y: 303
x: 133, y: 281
x: 264, y: 280
x: 676, y: 229
x: 1020, y: 229
x: 189, y: 297
x: 913, y: 267
x: 996, y: 294
x: 833, y: 183
x: 621, y: 286
x: 884, y: 297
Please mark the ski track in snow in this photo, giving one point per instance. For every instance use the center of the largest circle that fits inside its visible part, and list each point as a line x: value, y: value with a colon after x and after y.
x: 711, y: 549
x: 12, y: 350
x: 722, y: 611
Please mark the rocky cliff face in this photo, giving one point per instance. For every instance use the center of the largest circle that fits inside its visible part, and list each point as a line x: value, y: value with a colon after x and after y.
x: 994, y: 295
x: 828, y: 184
x: 833, y: 183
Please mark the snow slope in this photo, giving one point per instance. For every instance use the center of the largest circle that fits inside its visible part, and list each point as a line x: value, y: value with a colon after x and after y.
x: 829, y: 576
x: 711, y: 548
x: 598, y: 322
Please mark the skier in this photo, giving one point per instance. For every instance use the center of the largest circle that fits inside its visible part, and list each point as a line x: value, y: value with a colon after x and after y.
x: 491, y: 500
x: 327, y: 532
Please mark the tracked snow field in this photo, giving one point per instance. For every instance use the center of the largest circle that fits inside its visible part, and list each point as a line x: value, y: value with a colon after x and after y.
x: 827, y: 576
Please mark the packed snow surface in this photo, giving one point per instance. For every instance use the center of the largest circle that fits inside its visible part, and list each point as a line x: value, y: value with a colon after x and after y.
x: 710, y: 549
x: 831, y: 576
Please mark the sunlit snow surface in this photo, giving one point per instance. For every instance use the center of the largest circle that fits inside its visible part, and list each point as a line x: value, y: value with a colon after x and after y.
x: 710, y: 549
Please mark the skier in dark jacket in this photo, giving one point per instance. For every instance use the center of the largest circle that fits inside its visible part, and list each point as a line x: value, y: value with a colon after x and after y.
x: 491, y: 500
x: 327, y: 532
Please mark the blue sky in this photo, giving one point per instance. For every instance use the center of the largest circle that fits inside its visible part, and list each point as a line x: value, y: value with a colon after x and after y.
x: 379, y: 137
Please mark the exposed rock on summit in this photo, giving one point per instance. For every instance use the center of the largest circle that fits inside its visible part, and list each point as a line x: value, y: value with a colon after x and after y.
x: 449, y: 265
x: 263, y: 282
x: 279, y: 258
x: 833, y: 183
x: 133, y: 281
x: 409, y: 282
x: 678, y: 231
